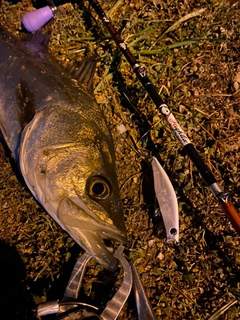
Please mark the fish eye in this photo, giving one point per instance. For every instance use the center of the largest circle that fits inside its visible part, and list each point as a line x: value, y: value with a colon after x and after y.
x: 98, y: 188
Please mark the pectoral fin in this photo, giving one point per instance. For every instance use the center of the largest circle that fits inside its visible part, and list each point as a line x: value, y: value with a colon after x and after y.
x: 84, y: 71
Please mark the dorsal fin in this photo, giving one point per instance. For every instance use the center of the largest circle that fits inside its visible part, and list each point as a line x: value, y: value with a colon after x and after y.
x: 84, y: 71
x: 25, y: 104
x: 39, y: 40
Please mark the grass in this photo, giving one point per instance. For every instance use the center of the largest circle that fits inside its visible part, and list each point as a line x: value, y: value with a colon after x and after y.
x: 193, y: 59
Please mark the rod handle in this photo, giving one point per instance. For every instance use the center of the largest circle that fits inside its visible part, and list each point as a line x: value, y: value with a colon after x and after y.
x: 34, y: 20
x: 231, y: 213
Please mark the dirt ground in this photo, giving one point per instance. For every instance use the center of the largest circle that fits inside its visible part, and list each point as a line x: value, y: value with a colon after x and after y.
x: 193, y: 58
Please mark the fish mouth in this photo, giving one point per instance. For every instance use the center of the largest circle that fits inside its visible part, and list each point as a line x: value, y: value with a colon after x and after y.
x: 89, y: 231
x: 94, y: 243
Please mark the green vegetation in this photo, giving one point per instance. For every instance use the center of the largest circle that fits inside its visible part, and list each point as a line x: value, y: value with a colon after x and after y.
x: 193, y: 57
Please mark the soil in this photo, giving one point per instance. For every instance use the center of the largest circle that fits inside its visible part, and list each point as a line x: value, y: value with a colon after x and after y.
x: 193, y: 58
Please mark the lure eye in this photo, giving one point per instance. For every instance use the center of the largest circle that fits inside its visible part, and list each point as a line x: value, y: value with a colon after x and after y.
x: 173, y: 231
x: 98, y: 188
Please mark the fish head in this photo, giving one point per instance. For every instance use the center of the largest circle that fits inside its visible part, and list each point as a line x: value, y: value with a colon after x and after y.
x: 68, y: 164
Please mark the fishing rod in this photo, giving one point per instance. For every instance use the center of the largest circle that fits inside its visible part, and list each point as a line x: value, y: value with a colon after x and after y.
x: 223, y: 197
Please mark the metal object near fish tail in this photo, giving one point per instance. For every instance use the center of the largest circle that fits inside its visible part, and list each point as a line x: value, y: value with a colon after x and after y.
x: 167, y: 201
x: 69, y: 308
x: 61, y: 141
x: 116, y: 304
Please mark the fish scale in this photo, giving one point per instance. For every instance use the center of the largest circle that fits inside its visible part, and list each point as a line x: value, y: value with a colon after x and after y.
x: 62, y: 143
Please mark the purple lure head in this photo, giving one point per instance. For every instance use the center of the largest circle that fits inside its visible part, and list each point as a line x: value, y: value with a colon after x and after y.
x: 32, y: 21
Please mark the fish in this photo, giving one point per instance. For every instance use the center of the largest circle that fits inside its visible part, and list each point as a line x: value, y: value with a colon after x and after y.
x: 61, y: 141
